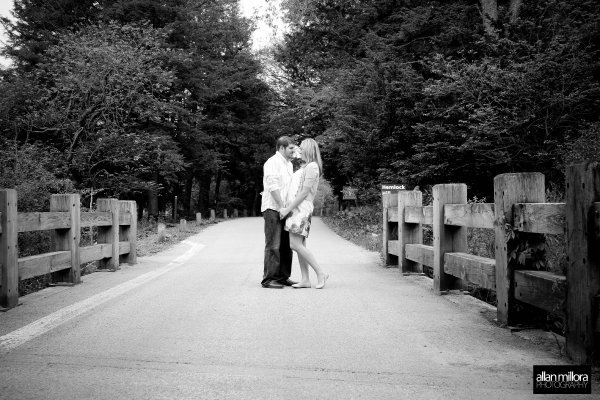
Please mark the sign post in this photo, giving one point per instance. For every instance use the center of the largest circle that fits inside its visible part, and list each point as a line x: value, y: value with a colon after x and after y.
x: 349, y: 195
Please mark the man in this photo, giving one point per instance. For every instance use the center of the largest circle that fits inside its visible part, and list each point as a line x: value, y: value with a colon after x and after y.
x: 277, y: 174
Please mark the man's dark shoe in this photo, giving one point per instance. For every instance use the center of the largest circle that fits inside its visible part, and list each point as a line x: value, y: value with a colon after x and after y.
x: 288, y: 282
x: 272, y: 285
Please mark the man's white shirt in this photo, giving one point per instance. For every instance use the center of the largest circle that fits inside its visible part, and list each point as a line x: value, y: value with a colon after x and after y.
x: 277, y: 174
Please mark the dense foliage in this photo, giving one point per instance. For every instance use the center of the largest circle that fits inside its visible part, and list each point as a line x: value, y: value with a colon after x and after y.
x: 425, y: 92
x: 144, y: 100
x: 149, y: 99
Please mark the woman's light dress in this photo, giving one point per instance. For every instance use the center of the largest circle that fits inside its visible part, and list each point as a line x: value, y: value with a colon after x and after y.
x: 298, y: 221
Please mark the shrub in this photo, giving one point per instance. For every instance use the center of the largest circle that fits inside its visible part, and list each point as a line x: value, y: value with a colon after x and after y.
x: 360, y: 225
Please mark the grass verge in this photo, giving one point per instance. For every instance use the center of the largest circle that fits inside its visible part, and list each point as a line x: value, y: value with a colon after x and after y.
x: 361, y: 226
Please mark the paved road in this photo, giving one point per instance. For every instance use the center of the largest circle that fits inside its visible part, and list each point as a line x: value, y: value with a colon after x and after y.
x: 194, y: 323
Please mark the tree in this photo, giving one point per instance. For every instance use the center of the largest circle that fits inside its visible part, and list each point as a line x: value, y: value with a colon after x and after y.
x: 159, y: 13
x: 220, y: 79
x: 38, y: 24
x: 422, y: 92
x: 489, y: 14
x: 140, y: 96
x: 514, y: 10
x: 106, y: 106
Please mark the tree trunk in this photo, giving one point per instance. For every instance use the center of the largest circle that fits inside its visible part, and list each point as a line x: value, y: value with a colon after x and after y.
x: 489, y: 13
x: 217, y: 187
x: 140, y: 208
x: 187, y: 200
x: 175, y: 212
x: 153, y: 199
x: 514, y: 9
x: 256, y: 203
x: 203, y: 193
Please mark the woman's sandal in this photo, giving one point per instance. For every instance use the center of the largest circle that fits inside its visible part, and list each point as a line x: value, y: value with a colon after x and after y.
x: 322, y: 285
x: 301, y: 285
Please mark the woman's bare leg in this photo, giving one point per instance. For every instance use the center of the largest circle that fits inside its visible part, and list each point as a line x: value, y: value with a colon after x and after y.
x: 303, y: 269
x: 306, y: 256
x: 305, y: 282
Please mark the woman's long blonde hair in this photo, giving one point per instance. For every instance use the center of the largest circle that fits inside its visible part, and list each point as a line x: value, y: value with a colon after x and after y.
x: 310, y: 153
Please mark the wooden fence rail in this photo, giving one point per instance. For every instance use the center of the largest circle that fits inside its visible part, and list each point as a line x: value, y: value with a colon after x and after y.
x: 117, y: 226
x: 518, y: 216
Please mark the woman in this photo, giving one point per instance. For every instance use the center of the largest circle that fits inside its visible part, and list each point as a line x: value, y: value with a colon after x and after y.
x: 299, y: 211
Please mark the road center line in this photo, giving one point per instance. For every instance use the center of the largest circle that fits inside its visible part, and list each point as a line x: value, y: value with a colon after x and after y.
x: 51, y: 321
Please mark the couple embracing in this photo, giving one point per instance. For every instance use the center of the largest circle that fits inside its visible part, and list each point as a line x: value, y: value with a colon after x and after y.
x: 287, y: 206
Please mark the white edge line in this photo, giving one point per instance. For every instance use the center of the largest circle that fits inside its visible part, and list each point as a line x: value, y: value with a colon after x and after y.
x: 51, y: 321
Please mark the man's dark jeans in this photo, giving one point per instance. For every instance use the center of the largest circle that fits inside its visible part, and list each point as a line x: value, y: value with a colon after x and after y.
x: 278, y: 255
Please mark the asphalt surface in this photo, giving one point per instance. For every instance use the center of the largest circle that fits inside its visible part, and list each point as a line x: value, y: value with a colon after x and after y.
x: 193, y: 322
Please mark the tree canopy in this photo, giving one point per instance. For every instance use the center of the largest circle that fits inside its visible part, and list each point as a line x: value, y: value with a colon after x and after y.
x: 425, y: 92
x: 149, y: 99
x: 139, y: 99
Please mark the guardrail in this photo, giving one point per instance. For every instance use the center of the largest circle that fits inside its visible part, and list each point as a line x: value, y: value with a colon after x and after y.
x: 519, y: 215
x: 117, y: 227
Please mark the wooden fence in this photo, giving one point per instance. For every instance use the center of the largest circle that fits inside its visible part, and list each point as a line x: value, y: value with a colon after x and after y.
x: 519, y: 216
x: 117, y: 225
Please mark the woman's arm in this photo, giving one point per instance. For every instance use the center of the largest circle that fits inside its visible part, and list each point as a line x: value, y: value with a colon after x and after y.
x: 299, y: 198
x: 311, y: 174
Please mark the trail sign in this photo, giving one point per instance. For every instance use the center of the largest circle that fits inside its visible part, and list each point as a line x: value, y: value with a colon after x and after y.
x: 349, y: 193
x: 387, y: 188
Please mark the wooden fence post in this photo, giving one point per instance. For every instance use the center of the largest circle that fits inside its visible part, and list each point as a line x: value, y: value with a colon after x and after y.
x: 389, y: 200
x: 583, y: 258
x: 9, y: 268
x: 161, y: 230
x: 446, y: 238
x: 68, y: 239
x: 109, y: 234
x: 129, y: 232
x: 508, y: 190
x: 408, y: 233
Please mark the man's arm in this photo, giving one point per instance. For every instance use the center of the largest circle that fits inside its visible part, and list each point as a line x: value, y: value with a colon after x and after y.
x: 273, y: 181
x: 277, y: 197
